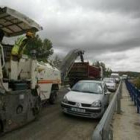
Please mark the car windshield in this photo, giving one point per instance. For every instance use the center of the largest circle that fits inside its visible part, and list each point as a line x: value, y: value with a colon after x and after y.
x: 114, y: 76
x: 88, y: 87
x: 108, y: 80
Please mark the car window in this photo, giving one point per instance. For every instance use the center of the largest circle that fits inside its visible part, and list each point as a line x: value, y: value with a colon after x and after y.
x: 88, y: 87
x: 109, y: 80
x: 115, y: 76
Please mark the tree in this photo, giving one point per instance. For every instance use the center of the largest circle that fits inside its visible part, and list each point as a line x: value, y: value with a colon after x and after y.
x: 57, y: 61
x: 136, y: 82
x: 106, y: 71
x: 43, y: 48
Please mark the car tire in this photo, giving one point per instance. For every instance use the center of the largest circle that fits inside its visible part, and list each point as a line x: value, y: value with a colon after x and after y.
x: 106, y: 106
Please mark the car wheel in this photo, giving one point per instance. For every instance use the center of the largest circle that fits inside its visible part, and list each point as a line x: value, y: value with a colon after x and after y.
x: 106, y: 106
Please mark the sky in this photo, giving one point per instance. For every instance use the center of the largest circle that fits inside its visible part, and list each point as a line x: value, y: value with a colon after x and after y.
x: 107, y: 30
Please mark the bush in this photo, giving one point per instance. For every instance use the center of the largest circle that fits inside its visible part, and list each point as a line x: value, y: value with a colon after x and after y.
x: 137, y: 82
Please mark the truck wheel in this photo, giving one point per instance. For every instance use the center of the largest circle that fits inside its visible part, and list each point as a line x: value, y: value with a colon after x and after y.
x: 53, y: 97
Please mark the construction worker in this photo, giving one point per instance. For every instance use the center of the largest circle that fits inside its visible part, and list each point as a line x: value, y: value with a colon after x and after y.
x: 17, y: 52
x: 20, y: 45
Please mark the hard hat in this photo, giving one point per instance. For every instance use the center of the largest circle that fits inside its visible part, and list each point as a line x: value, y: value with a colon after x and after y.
x: 30, y: 34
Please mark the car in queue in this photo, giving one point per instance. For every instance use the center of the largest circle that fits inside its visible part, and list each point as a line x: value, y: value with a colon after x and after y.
x: 111, y: 84
x: 124, y: 77
x: 87, y: 98
x: 116, y: 76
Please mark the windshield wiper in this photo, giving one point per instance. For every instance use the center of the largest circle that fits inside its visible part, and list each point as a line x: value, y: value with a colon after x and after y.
x: 89, y: 92
x: 76, y: 90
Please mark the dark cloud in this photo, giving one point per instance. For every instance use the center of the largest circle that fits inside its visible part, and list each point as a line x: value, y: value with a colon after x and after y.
x: 106, y: 29
x: 126, y: 6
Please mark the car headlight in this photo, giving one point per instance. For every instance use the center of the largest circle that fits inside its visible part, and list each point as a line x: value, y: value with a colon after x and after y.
x: 65, y: 100
x: 96, y: 104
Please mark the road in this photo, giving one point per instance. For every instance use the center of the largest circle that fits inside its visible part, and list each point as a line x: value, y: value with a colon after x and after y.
x: 52, y: 124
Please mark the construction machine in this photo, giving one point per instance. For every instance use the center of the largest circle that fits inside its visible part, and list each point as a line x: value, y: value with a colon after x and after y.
x: 37, y: 82
x: 75, y: 71
x: 20, y: 98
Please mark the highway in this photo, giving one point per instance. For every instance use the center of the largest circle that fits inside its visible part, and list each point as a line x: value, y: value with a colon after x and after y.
x: 52, y: 124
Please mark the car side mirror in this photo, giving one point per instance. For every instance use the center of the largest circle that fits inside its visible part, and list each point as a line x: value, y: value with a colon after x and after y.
x: 107, y: 93
x: 69, y: 89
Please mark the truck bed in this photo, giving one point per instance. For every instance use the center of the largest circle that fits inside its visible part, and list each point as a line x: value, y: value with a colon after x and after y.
x: 83, y: 71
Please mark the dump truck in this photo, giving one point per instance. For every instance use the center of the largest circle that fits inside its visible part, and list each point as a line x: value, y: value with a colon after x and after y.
x: 83, y: 71
x: 21, y: 98
x: 75, y: 71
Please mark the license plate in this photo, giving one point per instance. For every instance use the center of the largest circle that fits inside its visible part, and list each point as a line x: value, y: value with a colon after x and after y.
x: 78, y: 110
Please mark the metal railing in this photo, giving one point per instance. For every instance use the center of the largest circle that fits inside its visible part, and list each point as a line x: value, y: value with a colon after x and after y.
x: 134, y: 94
x: 103, y: 130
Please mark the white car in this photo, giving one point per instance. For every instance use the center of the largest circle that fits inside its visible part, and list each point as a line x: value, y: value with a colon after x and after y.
x: 116, y: 76
x: 111, y: 84
x: 87, y: 98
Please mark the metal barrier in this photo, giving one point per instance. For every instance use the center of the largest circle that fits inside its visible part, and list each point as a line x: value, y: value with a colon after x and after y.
x: 104, y: 131
x: 134, y: 94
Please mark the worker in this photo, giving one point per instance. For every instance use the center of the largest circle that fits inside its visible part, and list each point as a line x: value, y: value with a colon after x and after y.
x: 17, y: 52
x: 20, y: 45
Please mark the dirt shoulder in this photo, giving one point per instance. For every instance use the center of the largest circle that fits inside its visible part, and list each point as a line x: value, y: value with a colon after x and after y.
x: 126, y: 126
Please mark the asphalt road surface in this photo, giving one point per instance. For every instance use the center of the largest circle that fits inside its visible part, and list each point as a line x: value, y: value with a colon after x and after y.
x: 52, y: 124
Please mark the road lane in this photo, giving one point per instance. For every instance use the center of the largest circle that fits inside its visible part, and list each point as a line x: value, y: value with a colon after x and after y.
x: 52, y: 124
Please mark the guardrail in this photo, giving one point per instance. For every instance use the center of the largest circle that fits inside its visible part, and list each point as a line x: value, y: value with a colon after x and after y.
x: 134, y: 94
x: 103, y: 130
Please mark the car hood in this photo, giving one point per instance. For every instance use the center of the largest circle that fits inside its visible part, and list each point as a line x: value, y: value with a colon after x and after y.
x: 81, y: 97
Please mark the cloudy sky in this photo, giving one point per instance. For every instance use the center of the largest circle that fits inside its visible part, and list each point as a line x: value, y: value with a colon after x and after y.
x: 108, y: 30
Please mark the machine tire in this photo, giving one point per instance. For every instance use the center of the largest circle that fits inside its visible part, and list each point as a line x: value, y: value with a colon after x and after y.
x: 53, y: 97
x: 37, y: 107
x: 1, y: 128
